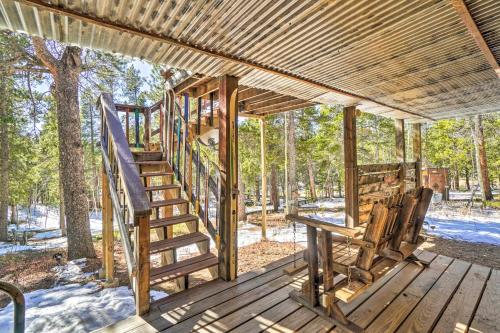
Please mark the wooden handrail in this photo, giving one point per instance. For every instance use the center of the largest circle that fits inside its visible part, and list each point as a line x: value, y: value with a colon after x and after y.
x: 122, y: 226
x: 135, y: 193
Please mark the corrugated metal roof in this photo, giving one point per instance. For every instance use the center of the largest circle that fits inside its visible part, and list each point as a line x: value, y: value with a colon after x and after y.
x: 415, y: 56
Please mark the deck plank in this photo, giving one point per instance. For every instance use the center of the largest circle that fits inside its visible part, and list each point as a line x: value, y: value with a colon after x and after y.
x: 269, y: 317
x: 232, y: 320
x: 188, y: 298
x: 427, y: 312
x: 486, y: 318
x: 206, y: 314
x: 449, y: 296
x: 458, y: 314
x: 398, y: 310
x: 293, y: 322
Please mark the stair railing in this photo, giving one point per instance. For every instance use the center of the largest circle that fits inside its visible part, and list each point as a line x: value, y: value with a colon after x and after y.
x: 129, y: 201
x: 198, y: 175
x: 19, y: 304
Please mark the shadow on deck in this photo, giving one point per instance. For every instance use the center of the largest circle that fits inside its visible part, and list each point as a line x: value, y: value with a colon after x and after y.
x: 450, y: 296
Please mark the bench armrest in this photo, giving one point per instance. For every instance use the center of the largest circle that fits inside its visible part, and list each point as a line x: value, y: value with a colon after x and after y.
x: 338, y: 229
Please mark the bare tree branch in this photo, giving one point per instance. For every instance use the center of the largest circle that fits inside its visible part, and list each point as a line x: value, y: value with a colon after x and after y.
x: 43, y: 53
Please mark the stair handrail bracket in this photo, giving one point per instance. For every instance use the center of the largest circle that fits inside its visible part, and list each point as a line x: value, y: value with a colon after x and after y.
x: 19, y: 304
x: 127, y: 199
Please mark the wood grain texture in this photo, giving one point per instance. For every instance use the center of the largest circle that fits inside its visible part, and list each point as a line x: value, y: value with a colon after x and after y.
x: 486, y: 318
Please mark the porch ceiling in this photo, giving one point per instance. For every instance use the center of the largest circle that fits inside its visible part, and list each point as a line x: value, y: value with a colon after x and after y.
x: 402, y: 59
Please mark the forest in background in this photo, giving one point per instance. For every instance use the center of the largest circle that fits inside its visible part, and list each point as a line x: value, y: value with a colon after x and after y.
x: 29, y: 145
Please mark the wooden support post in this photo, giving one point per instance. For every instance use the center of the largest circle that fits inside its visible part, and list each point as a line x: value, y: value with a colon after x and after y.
x: 417, y: 152
x: 147, y: 128
x: 399, y: 124
x: 312, y: 262
x: 141, y: 280
x: 263, y: 176
x: 351, y: 168
x: 107, y: 229
x: 127, y: 126
x: 228, y: 163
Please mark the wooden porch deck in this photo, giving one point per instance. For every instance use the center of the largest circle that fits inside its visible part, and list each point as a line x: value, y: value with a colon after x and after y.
x: 450, y: 296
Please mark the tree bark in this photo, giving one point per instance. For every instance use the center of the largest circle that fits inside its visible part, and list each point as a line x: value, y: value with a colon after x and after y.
x: 293, y: 188
x: 274, y: 188
x: 62, y: 211
x: 456, y: 179
x: 312, y: 186
x: 4, y: 158
x: 66, y: 72
x: 257, y: 191
x: 482, y: 165
x: 13, y: 214
x: 467, y: 180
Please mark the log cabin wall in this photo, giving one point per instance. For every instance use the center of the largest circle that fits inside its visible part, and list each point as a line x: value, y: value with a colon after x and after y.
x: 376, y: 182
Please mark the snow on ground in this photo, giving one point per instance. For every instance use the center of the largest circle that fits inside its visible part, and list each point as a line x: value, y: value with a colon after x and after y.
x: 73, y: 308
x: 477, y: 225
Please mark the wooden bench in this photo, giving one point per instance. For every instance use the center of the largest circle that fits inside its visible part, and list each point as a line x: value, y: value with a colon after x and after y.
x: 362, y: 254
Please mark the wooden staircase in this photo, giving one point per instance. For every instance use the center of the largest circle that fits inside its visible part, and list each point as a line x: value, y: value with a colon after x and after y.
x: 169, y: 209
x: 158, y: 190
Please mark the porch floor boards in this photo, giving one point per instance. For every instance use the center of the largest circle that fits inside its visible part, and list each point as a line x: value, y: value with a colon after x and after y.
x: 449, y: 296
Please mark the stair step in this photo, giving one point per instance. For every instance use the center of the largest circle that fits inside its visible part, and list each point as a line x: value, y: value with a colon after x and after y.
x: 182, y: 268
x: 147, y: 155
x: 151, y: 162
x: 156, y: 174
x: 169, y: 202
x: 176, y: 242
x: 162, y: 187
x: 168, y: 221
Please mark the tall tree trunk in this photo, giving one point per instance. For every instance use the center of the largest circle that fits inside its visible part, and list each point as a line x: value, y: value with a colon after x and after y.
x: 274, y: 188
x: 62, y: 211
x: 482, y: 165
x: 66, y: 72
x: 293, y: 188
x: 242, y: 215
x: 467, y: 180
x: 456, y: 179
x: 4, y: 157
x: 13, y: 214
x: 312, y: 186
x: 94, y: 164
x: 257, y: 191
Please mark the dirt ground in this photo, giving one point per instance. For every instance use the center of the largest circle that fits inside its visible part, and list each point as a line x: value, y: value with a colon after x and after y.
x: 32, y: 270
x: 477, y: 253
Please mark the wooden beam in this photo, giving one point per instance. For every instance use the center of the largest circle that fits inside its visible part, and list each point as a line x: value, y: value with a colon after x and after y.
x: 205, y: 88
x: 399, y: 125
x: 351, y: 168
x: 248, y: 93
x: 263, y: 176
x: 228, y: 163
x: 471, y: 26
x: 103, y: 22
x: 188, y: 83
x: 262, y: 98
x: 400, y: 140
x: 416, y: 133
x: 291, y: 107
x: 250, y: 115
x: 274, y: 102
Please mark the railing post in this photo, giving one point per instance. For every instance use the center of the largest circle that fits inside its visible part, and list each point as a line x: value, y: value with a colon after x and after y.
x: 228, y: 162
x: 19, y: 305
x: 401, y: 152
x: 147, y: 127
x: 351, y: 168
x: 141, y: 249
x: 417, y: 153
x: 107, y: 229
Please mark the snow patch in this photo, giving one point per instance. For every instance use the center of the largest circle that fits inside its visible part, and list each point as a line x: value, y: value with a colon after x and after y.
x: 72, y: 271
